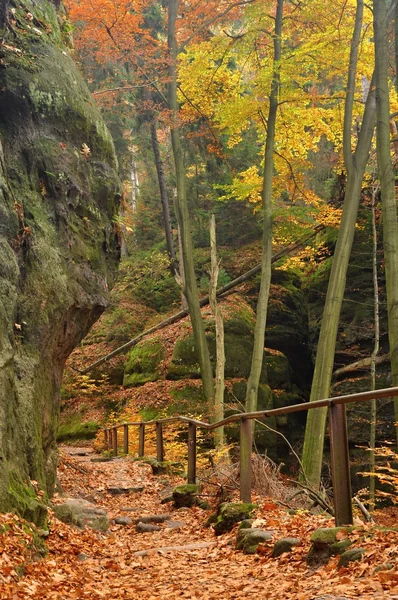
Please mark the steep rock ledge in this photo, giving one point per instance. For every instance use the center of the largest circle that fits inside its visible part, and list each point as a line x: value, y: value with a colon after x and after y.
x: 59, y: 192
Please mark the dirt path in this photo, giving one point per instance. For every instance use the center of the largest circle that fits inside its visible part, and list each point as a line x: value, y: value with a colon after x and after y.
x: 87, y: 564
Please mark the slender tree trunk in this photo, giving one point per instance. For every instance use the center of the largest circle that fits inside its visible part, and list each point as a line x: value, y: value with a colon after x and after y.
x: 387, y: 186
x: 376, y: 347
x: 220, y: 352
x: 190, y: 287
x: 163, y: 197
x: 355, y: 166
x: 396, y: 45
x: 262, y: 302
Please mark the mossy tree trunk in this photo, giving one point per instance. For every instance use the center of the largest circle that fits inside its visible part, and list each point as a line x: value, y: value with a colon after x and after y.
x: 262, y: 302
x: 355, y: 163
x: 387, y: 184
x: 190, y: 286
x: 219, y: 323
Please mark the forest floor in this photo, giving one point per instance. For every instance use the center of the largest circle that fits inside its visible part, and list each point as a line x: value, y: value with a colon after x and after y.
x: 111, y: 565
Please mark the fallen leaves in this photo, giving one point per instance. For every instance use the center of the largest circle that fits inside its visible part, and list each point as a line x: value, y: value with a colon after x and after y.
x: 87, y: 564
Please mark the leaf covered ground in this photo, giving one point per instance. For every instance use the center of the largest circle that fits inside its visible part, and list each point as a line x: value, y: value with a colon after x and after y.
x: 87, y: 564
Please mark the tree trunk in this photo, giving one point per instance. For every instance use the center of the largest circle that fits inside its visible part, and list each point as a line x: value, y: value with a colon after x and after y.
x: 376, y: 347
x: 190, y: 287
x: 163, y: 197
x: 220, y: 352
x: 355, y: 165
x: 387, y: 187
x: 262, y: 302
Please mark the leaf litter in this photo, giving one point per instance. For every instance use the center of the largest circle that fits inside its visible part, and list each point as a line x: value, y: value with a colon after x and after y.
x: 87, y: 564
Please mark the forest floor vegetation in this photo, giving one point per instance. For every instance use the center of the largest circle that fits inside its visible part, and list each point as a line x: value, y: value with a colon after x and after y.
x: 111, y: 565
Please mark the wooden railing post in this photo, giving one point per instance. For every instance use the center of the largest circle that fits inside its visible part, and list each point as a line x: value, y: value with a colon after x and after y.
x: 339, y: 458
x: 114, y: 438
x: 159, y: 442
x: 125, y: 439
x: 141, y: 442
x: 106, y: 439
x: 191, y: 453
x: 245, y: 460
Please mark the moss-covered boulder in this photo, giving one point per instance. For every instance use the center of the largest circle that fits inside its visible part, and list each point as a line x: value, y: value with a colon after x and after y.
x: 284, y: 545
x: 231, y: 513
x: 142, y: 364
x: 351, y: 555
x: 59, y: 193
x: 248, y: 540
x: 186, y: 495
x: 326, y: 542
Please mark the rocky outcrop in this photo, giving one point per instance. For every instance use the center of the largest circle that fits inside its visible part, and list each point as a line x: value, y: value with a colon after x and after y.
x: 58, y: 246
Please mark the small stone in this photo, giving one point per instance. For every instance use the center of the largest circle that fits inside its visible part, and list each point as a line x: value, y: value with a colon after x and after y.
x: 123, y: 521
x: 146, y: 528
x: 166, y: 499
x: 43, y: 533
x: 249, y: 540
x: 153, y: 518
x: 129, y: 509
x: 118, y: 491
x: 384, y: 567
x: 82, y: 557
x: 340, y: 547
x: 349, y: 556
x: 284, y: 545
x: 174, y: 524
x: 101, y: 459
x: 246, y: 524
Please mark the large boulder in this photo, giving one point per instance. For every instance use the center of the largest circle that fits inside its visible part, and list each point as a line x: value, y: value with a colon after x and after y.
x: 58, y: 247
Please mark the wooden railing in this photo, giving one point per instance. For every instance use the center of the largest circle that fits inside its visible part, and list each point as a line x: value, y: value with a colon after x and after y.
x: 339, y: 451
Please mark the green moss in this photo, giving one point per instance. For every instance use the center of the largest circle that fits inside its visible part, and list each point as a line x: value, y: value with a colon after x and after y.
x: 75, y: 429
x: 326, y: 535
x: 143, y: 361
x: 186, y: 495
x: 23, y: 499
x: 231, y: 513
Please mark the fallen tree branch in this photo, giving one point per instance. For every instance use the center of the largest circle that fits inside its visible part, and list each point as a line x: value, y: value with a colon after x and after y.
x: 204, y: 302
x: 364, y: 363
x: 363, y: 510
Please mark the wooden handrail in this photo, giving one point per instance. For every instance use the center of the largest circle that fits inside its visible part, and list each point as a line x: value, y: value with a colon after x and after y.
x: 338, y: 435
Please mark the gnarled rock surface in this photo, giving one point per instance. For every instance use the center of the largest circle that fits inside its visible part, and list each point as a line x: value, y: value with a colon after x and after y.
x: 58, y: 246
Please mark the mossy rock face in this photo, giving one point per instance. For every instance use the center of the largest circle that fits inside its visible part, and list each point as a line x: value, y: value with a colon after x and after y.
x: 142, y: 364
x: 238, y: 343
x: 77, y: 430
x: 231, y: 513
x: 58, y: 246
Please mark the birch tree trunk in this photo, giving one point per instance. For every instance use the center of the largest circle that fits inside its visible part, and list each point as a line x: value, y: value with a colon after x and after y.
x: 262, y: 302
x: 355, y: 164
x: 190, y: 286
x: 387, y: 184
x: 219, y: 322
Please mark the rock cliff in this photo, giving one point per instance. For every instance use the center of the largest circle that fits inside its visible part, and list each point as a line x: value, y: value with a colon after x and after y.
x: 59, y: 192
